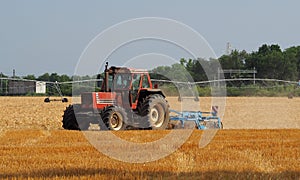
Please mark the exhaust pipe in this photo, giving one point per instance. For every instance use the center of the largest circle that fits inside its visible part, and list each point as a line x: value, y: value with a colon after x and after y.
x: 106, y: 77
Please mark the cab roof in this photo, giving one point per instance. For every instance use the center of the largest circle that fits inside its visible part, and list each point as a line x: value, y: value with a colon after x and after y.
x: 127, y: 70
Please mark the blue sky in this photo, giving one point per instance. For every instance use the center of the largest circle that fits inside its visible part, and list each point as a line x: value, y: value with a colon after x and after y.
x: 49, y: 36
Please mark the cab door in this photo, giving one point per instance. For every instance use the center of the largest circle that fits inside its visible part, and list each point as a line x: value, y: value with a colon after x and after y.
x: 135, y: 88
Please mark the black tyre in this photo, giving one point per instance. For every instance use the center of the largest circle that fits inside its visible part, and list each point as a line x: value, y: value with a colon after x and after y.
x: 47, y: 100
x: 69, y: 120
x: 221, y: 126
x: 64, y: 100
x: 155, y: 109
x: 115, y: 118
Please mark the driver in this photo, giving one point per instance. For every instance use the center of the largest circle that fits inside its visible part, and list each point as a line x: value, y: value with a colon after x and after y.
x: 125, y: 82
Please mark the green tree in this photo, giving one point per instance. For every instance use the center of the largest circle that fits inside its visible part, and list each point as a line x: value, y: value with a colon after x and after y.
x: 268, y: 61
x: 54, y: 77
x: 29, y: 77
x: 44, y: 77
x: 235, y: 60
x: 178, y: 73
x: 64, y: 78
x: 198, y: 69
x: 290, y: 70
x: 160, y: 72
x: 297, y: 51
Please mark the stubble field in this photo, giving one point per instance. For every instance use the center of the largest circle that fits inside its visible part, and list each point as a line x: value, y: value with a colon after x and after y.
x: 260, y: 140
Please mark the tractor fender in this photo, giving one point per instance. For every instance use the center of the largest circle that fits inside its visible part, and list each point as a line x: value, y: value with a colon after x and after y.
x: 147, y: 92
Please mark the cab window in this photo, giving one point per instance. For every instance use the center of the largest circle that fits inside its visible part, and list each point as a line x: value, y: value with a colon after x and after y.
x: 136, y: 81
x: 146, y: 83
x: 122, y: 81
x: 135, y: 86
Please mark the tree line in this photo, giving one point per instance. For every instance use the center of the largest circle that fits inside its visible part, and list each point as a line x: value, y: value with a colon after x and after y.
x: 269, y: 61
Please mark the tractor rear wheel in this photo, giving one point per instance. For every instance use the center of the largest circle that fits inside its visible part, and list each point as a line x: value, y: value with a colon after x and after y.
x: 115, y: 118
x: 155, y: 109
x: 69, y: 120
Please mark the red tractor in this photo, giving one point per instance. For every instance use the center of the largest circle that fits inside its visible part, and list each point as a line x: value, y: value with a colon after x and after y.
x: 127, y: 100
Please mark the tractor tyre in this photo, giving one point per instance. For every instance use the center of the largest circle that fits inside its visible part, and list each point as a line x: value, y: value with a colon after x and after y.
x: 47, y: 100
x: 115, y: 118
x: 64, y: 100
x: 221, y: 126
x: 69, y: 120
x: 155, y: 109
x: 214, y: 125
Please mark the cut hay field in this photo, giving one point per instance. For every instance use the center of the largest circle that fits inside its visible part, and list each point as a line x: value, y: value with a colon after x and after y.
x: 261, y: 139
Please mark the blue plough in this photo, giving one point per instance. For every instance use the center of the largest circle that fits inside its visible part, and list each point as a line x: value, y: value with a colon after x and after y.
x: 203, y: 120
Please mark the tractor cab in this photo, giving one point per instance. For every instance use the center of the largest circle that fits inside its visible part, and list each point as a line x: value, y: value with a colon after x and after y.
x: 126, y: 84
x: 121, y: 86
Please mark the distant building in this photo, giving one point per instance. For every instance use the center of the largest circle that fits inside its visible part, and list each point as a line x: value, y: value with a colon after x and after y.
x: 40, y: 87
x: 16, y: 87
